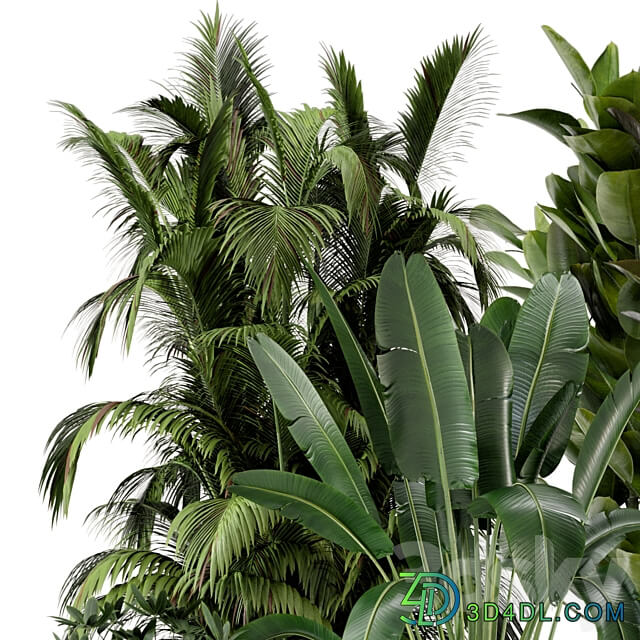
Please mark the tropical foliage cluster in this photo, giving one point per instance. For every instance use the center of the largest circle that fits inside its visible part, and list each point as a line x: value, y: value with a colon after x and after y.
x: 341, y: 401
x: 591, y: 231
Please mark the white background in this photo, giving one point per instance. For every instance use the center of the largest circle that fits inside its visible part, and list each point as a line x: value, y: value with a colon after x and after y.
x: 104, y: 57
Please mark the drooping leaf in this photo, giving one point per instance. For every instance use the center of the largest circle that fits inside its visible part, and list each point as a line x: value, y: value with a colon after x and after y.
x: 549, y: 120
x: 312, y: 426
x: 365, y: 380
x: 546, y: 536
x: 377, y: 613
x: 318, y: 506
x: 603, y: 435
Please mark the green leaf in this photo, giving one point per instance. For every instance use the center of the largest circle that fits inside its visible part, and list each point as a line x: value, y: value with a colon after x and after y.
x: 500, y: 317
x: 628, y: 308
x: 549, y: 120
x: 312, y: 426
x: 488, y: 218
x: 317, y: 506
x: 600, y: 109
x: 609, y: 583
x: 546, y: 536
x: 420, y: 540
x: 213, y: 158
x: 562, y: 251
x: 283, y: 626
x: 546, y: 348
x: 612, y: 147
x: 534, y: 245
x: 368, y: 387
x: 606, y: 68
x: 508, y: 262
x: 491, y: 377
x: 362, y: 186
x: 603, y: 435
x: 573, y: 61
x: 621, y: 462
x: 546, y: 441
x: 428, y: 402
x: 628, y: 86
x: 618, y: 198
x: 605, y: 531
x: 377, y: 613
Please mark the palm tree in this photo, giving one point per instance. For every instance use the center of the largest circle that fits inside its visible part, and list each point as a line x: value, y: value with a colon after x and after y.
x: 219, y: 202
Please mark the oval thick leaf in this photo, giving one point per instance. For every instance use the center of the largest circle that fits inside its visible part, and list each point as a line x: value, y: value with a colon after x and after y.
x: 312, y: 426
x: 546, y: 536
x: 376, y: 614
x: 572, y: 60
x: 365, y: 380
x: 603, y: 435
x: 318, y: 506
x: 550, y: 333
x: 428, y: 403
x: 549, y: 120
x: 284, y: 626
x: 618, y: 198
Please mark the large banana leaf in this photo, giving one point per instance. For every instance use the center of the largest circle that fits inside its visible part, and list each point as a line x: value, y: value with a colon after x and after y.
x: 546, y: 348
x: 428, y: 403
x: 605, y: 531
x: 545, y: 533
x: 490, y: 378
x: 318, y: 506
x: 608, y: 583
x: 284, y: 626
x: 420, y: 540
x: 603, y: 435
x: 312, y: 426
x: 376, y: 614
x: 368, y: 387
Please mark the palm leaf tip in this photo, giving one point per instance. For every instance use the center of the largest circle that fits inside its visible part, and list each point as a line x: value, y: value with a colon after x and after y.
x: 451, y: 95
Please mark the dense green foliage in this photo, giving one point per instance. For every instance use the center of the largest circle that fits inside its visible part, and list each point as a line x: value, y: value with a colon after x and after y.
x: 591, y: 230
x: 486, y: 423
x: 219, y: 202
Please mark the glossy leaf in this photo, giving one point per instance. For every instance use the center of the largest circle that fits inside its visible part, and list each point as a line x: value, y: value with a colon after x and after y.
x: 312, y: 426
x: 572, y: 60
x: 428, y: 402
x: 483, y: 352
x: 377, y: 613
x: 549, y: 120
x: 546, y: 348
x: 618, y: 197
x: 605, y: 531
x: 603, y: 435
x: 614, y: 148
x: 544, y: 529
x: 317, y: 506
x: 500, y: 317
x: 606, y: 68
